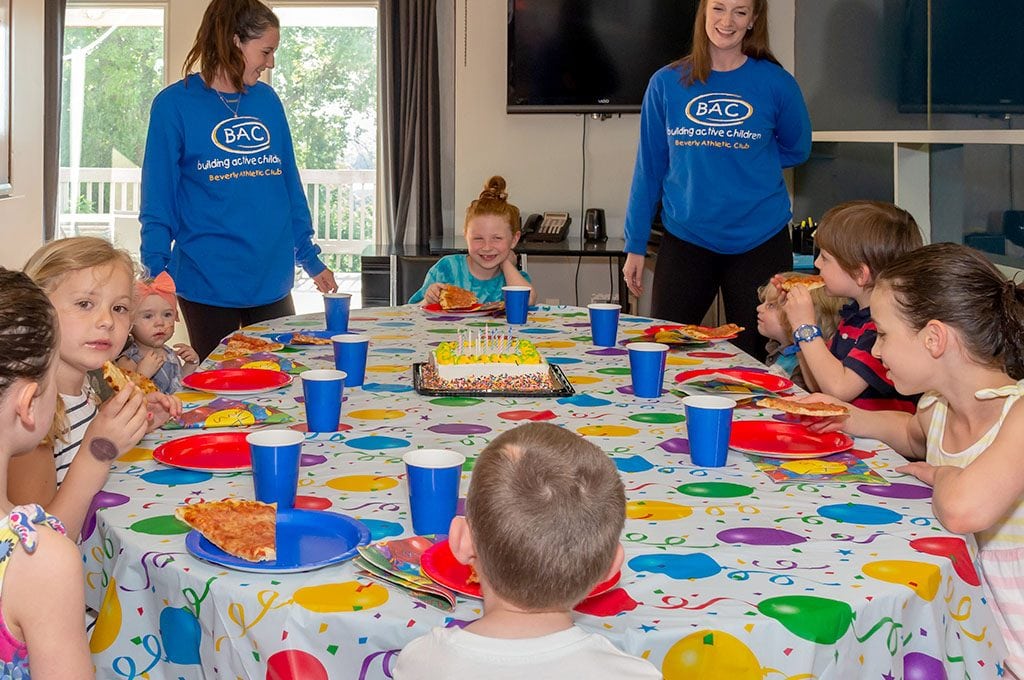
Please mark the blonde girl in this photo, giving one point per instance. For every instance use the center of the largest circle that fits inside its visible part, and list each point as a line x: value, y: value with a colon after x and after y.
x: 951, y: 326
x: 773, y: 323
x: 90, y: 284
x: 492, y: 231
x: 42, y: 631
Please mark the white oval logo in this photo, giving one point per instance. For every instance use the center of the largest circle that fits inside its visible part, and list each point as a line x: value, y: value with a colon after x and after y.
x: 244, y: 134
x: 718, y: 109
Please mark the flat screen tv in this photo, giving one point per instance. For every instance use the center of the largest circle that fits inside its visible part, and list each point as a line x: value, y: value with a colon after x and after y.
x: 591, y: 56
x: 977, y: 64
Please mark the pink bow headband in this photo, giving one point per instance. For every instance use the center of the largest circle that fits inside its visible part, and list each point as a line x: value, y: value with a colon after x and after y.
x: 162, y: 285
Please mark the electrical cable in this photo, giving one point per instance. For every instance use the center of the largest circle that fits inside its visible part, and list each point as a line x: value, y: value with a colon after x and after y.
x: 583, y: 191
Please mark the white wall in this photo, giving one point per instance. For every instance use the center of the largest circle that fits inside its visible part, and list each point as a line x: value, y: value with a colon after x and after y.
x: 21, y: 214
x: 540, y: 155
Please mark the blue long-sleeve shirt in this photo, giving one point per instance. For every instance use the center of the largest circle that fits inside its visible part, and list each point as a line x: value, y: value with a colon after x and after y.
x: 223, y: 208
x: 713, y: 154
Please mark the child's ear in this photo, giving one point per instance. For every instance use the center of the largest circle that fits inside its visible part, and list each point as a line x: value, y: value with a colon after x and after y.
x: 936, y: 337
x: 863, y: 277
x: 616, y: 564
x: 24, y: 403
x: 516, y: 235
x: 460, y: 540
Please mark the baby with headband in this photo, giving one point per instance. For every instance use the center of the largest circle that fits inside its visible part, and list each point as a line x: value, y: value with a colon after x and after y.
x: 156, y: 310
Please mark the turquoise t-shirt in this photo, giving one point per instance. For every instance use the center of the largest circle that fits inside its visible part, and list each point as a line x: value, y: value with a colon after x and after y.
x: 454, y: 270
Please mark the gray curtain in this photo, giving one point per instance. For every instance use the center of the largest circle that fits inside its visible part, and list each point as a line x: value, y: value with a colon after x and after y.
x: 53, y: 35
x: 411, y: 130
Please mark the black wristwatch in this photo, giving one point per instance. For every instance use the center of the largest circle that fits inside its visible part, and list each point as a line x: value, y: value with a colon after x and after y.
x: 806, y: 332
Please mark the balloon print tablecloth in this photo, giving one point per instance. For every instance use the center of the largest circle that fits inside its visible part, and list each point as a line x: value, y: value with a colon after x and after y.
x: 728, y: 574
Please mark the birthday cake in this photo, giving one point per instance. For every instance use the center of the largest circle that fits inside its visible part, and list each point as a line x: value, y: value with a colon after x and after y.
x: 488, y: 361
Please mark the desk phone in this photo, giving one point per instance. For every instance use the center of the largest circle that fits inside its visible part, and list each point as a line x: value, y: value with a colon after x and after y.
x: 551, y: 226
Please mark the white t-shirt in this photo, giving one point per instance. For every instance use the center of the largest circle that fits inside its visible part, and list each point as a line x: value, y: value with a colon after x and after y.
x: 565, y: 655
x: 80, y: 409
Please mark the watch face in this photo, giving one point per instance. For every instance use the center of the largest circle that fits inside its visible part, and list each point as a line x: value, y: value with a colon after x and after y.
x: 807, y: 332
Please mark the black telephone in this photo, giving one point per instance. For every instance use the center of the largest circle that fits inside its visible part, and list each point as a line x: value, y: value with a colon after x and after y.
x: 551, y: 226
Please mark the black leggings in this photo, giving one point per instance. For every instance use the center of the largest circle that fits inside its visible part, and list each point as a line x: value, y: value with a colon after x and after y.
x: 207, y: 324
x: 687, y: 278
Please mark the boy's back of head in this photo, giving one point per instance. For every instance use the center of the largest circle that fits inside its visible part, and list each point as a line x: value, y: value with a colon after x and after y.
x: 545, y: 508
x: 873, y: 233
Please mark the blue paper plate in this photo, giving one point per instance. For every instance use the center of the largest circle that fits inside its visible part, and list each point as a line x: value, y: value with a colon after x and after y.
x: 306, y: 540
x: 285, y: 338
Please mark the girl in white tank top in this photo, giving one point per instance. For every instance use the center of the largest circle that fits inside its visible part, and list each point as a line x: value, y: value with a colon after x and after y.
x: 952, y: 327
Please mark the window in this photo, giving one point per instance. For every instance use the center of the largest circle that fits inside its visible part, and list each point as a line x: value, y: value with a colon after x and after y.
x: 113, y: 67
x: 326, y: 75
x: 5, y: 97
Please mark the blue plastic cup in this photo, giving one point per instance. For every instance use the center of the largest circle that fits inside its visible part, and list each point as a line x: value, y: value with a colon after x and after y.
x: 517, y: 301
x: 336, y: 309
x: 647, y: 368
x: 708, y: 422
x: 275, y: 458
x: 433, y: 476
x: 604, y: 323
x: 322, y: 390
x: 350, y: 356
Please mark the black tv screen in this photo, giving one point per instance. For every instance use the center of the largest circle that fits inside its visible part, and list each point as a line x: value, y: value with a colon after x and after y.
x: 589, y: 56
x: 977, y: 64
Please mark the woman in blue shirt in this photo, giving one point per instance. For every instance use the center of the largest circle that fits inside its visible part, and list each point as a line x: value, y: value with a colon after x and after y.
x: 223, y: 209
x: 716, y: 129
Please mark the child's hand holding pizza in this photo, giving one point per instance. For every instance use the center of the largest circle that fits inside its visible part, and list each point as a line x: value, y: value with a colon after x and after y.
x: 799, y: 307
x: 432, y: 296
x: 122, y: 419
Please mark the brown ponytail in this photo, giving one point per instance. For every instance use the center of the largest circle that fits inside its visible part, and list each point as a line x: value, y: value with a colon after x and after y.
x: 214, y: 48
x: 493, y: 200
x: 956, y: 285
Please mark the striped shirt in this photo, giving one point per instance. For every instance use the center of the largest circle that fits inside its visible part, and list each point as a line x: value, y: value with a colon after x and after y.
x: 80, y: 410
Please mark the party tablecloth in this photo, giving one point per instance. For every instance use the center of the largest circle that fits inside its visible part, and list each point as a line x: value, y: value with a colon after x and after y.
x: 728, y: 573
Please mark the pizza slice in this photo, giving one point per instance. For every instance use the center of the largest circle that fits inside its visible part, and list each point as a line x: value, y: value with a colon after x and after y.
x: 242, y: 528
x: 118, y: 378
x: 453, y: 297
x: 240, y: 345
x: 303, y: 339
x: 808, y: 281
x: 722, y: 332
x: 803, y: 408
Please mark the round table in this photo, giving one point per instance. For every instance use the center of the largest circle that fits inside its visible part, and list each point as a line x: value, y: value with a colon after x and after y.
x: 727, y: 574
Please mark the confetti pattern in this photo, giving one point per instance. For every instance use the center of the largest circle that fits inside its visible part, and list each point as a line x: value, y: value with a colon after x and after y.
x: 727, y: 573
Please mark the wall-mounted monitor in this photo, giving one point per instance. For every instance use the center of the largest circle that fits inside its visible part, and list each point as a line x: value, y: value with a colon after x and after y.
x: 591, y: 56
x: 977, y: 64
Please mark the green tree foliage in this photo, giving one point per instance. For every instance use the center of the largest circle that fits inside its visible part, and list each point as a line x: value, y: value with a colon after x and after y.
x: 327, y: 79
x: 123, y: 74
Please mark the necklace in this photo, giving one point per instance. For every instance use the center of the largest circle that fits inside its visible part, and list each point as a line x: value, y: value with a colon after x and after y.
x: 238, y: 103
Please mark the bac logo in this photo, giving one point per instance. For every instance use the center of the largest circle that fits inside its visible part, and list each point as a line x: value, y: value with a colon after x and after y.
x: 718, y: 109
x: 245, y: 134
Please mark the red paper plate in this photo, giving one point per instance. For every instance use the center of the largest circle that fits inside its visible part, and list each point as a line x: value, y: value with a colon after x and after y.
x: 785, y: 440
x: 476, y: 310
x: 439, y: 564
x: 236, y: 381
x: 769, y: 381
x: 212, y: 452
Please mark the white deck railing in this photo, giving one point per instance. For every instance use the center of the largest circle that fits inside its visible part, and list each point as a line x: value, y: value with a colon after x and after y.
x: 342, y: 204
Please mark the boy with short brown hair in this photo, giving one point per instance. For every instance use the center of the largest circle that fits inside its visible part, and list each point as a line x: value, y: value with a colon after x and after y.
x: 544, y: 513
x: 857, y: 240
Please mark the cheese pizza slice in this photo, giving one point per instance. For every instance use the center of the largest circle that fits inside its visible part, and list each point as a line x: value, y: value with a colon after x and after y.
x: 242, y: 528
x: 803, y: 408
x: 722, y: 332
x: 240, y: 345
x: 118, y: 378
x: 453, y: 297
x: 809, y: 281
x: 303, y: 339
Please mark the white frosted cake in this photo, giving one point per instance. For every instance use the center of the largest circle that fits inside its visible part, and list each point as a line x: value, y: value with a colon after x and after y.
x: 480, y: 356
